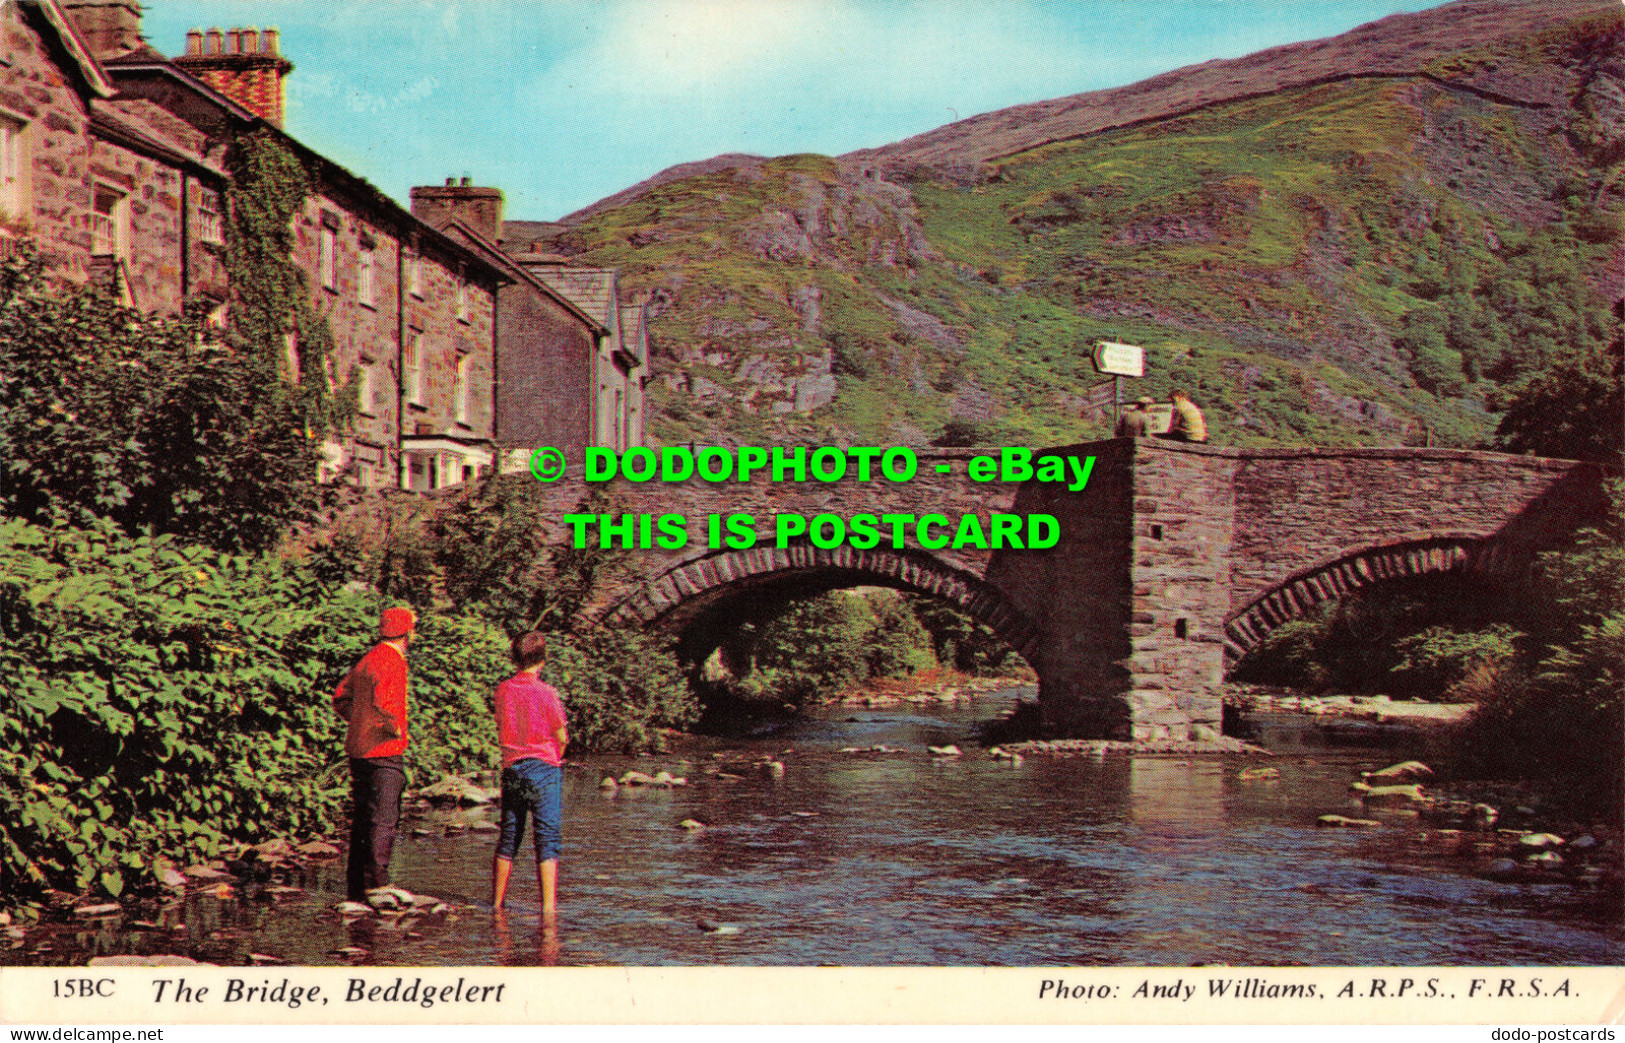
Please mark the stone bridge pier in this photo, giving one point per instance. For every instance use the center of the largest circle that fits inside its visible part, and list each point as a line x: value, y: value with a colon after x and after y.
x: 1174, y: 562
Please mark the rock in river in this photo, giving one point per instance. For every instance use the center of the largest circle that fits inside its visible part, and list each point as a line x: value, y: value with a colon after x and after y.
x: 1344, y: 822
x: 1388, y: 796
x: 1405, y: 771
x: 454, y: 789
x: 945, y: 751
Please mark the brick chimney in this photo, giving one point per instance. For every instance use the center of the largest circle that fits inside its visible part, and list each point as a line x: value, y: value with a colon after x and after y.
x: 243, y: 64
x: 478, y: 208
x: 111, y: 27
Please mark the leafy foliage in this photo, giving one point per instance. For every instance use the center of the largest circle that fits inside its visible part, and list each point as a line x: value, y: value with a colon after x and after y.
x: 820, y: 646
x: 143, y: 419
x: 271, y: 299
x: 1562, y: 715
x: 160, y: 700
x: 1573, y: 409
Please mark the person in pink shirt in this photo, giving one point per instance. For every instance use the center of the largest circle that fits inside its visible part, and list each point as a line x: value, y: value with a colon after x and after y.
x: 531, y: 728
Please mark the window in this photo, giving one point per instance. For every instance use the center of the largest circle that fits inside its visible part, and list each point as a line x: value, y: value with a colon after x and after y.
x: 366, y: 388
x: 620, y: 419
x: 364, y: 289
x: 108, y: 234
x: 462, y: 300
x: 414, y: 275
x: 13, y: 171
x: 329, y: 257
x: 460, y: 392
x: 412, y: 367
x: 211, y: 223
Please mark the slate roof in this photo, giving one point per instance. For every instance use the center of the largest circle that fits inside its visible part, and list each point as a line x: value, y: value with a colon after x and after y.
x: 592, y: 289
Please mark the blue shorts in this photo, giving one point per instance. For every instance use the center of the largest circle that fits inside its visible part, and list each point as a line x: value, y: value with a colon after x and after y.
x: 536, y: 787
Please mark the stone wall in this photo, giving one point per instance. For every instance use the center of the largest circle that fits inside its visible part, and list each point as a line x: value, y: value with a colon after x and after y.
x: 36, y: 95
x: 546, y: 367
x: 1183, y: 518
x: 152, y: 223
x: 370, y: 332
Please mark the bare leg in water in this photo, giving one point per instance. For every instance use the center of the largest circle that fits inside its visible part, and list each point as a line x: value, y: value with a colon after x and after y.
x: 547, y: 881
x: 501, y: 869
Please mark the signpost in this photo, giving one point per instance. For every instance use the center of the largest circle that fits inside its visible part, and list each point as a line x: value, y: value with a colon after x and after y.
x: 1120, y: 360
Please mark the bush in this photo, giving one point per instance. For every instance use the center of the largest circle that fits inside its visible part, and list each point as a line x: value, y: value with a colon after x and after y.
x: 145, y: 419
x: 1292, y: 655
x: 620, y: 687
x: 162, y: 698
x: 1436, y: 662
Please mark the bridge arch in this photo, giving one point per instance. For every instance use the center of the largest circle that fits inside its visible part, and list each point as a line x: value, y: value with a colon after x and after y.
x: 1294, y: 597
x: 687, y: 592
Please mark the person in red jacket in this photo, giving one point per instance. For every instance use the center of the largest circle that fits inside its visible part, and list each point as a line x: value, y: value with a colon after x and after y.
x: 372, y: 699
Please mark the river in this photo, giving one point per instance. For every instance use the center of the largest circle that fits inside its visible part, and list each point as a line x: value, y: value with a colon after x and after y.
x: 897, y: 859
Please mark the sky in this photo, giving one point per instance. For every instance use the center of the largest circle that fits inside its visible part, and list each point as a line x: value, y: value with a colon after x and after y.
x: 562, y: 102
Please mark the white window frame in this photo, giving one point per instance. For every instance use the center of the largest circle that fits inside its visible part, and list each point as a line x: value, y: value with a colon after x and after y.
x: 459, y: 397
x: 327, y: 256
x: 211, y: 217
x: 14, y: 179
x: 110, y: 228
x: 462, y: 298
x: 412, y: 364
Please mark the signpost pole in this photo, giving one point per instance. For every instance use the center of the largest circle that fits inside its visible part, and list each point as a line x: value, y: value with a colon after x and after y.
x: 1117, y: 400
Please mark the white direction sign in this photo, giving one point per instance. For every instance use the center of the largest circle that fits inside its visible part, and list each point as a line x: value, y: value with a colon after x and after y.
x: 1124, y: 360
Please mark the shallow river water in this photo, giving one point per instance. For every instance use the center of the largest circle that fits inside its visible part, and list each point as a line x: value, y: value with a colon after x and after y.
x: 904, y: 859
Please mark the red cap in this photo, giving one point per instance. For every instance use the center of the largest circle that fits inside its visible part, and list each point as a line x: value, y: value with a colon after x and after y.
x: 397, y: 622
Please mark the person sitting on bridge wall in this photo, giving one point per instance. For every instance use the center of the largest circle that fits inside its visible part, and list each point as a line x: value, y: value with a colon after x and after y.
x: 1136, y: 419
x: 1188, y: 424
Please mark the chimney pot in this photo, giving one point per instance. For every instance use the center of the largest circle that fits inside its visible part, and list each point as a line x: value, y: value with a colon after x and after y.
x: 270, y: 41
x: 194, y: 41
x: 467, y: 181
x: 450, y: 181
x: 242, y: 63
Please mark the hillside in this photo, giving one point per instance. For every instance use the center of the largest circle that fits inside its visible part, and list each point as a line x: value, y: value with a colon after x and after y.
x: 1355, y: 240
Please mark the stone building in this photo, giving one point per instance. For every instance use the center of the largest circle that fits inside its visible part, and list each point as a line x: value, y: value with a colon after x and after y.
x: 116, y: 160
x: 574, y: 355
x: 113, y: 188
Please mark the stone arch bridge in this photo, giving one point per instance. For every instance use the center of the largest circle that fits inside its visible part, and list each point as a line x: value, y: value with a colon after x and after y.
x: 1173, y: 562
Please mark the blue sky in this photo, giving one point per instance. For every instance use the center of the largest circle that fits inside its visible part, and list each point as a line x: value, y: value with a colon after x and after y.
x: 562, y: 102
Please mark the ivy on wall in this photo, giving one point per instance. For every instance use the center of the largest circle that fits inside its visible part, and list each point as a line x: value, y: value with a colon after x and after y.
x: 271, y: 297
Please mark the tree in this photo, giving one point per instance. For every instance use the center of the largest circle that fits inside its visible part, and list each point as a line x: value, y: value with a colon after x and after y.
x: 148, y: 420
x: 1573, y: 409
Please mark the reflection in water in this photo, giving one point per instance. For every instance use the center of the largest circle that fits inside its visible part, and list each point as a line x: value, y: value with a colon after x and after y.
x: 1179, y: 795
x: 882, y: 859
